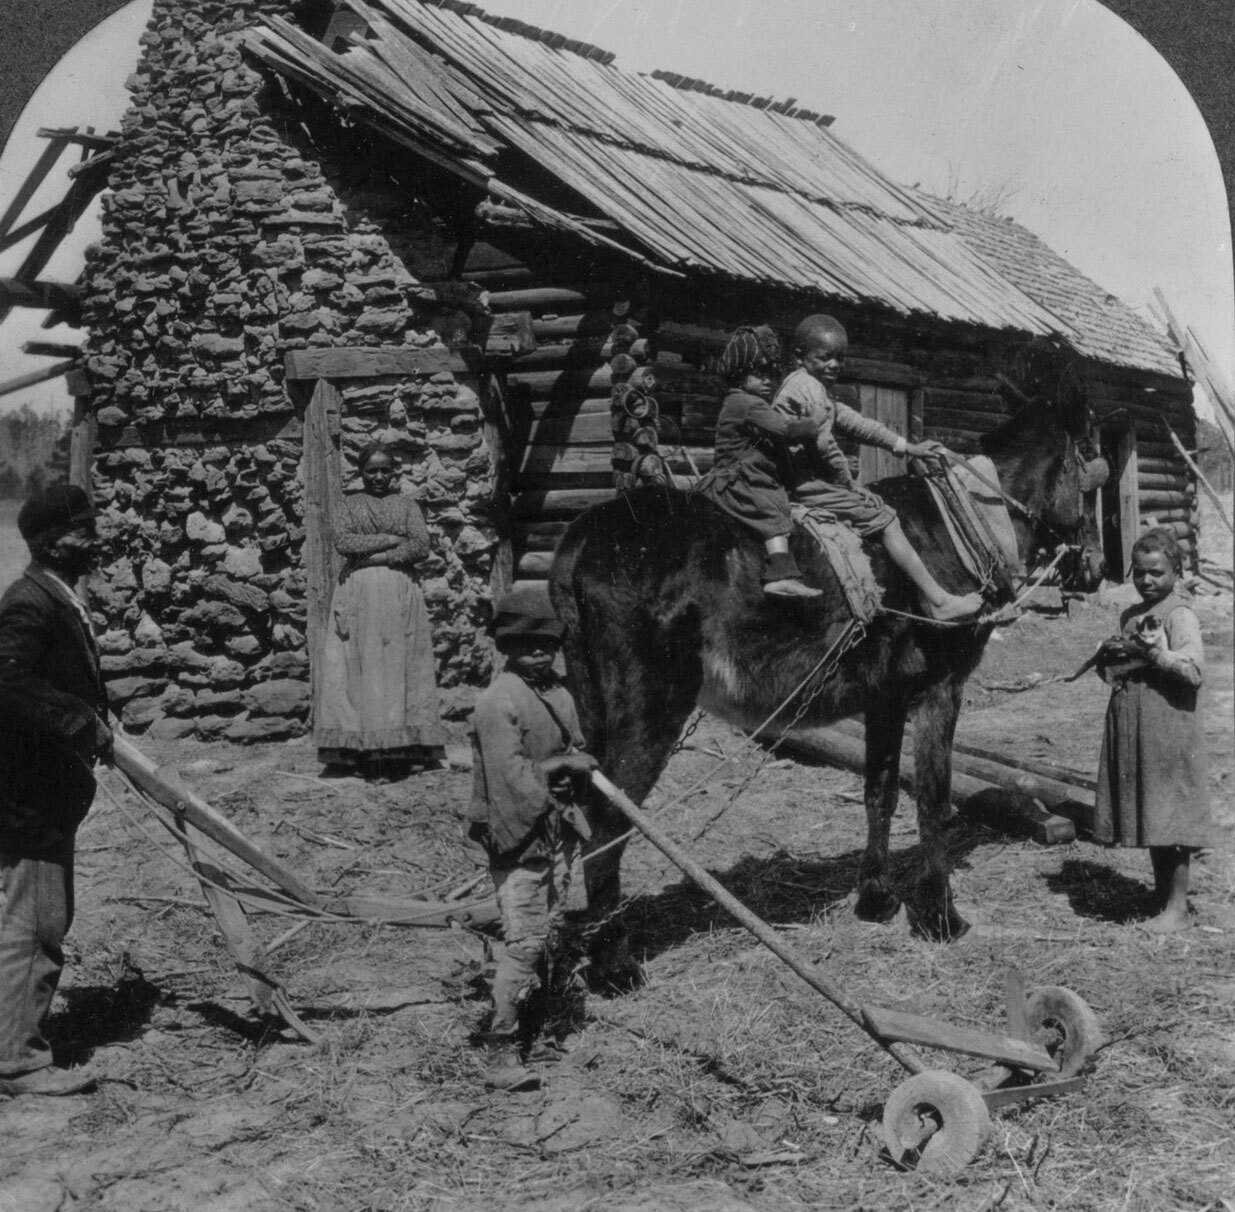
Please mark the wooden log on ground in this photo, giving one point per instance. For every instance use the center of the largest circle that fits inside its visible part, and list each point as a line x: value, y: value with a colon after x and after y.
x: 838, y: 748
x: 1056, y: 781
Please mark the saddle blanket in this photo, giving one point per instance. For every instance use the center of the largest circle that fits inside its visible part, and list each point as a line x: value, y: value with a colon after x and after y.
x: 974, y: 515
x: 843, y: 549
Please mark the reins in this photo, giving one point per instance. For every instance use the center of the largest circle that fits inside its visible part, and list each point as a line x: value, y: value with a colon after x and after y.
x: 1008, y: 612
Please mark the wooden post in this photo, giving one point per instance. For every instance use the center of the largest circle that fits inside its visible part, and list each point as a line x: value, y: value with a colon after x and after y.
x: 496, y: 432
x: 1127, y: 475
x: 81, y: 445
x: 322, y: 477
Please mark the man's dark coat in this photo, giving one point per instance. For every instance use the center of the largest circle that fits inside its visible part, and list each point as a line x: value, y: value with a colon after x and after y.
x: 51, y: 690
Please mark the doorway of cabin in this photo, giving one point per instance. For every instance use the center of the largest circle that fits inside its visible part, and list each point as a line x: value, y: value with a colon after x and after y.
x: 1116, y: 503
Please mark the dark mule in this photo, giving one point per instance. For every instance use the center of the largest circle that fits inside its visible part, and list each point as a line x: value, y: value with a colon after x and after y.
x: 660, y: 593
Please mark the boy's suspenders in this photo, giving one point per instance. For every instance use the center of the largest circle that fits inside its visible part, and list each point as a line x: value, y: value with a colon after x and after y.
x: 569, y: 812
x: 568, y: 741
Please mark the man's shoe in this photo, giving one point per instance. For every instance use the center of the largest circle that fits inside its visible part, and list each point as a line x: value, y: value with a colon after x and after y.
x: 51, y: 1082
x: 790, y: 587
x: 504, y: 1069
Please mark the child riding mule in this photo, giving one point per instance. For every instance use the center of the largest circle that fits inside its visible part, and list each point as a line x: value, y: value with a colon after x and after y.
x: 661, y: 597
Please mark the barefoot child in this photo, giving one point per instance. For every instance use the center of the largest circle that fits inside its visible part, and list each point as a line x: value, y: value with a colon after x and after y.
x: 753, y: 440
x: 1152, y: 787
x: 529, y: 776
x: 820, y: 472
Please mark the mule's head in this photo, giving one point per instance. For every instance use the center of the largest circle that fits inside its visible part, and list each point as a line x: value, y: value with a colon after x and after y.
x: 1049, y: 461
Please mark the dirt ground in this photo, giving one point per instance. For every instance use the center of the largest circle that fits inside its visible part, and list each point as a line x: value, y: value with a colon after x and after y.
x: 722, y: 1084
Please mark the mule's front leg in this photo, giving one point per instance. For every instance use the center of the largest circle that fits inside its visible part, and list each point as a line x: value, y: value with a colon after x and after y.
x: 638, y: 738
x: 932, y: 912
x: 885, y: 728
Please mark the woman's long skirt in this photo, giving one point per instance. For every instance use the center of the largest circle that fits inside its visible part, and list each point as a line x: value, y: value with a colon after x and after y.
x: 378, y: 691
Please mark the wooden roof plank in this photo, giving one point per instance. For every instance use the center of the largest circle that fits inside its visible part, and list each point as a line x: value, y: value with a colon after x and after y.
x: 34, y: 178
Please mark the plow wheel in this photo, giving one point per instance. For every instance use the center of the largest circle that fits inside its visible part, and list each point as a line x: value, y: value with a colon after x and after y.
x: 935, y: 1122
x: 1062, y: 1022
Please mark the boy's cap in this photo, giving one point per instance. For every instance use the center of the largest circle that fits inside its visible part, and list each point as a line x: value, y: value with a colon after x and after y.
x: 524, y: 614
x: 750, y: 349
x: 58, y: 506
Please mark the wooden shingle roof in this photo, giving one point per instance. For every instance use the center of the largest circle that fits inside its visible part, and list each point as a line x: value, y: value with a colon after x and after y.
x: 1095, y: 322
x: 697, y: 180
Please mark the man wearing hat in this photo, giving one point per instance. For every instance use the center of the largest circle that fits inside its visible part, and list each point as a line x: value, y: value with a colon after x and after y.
x: 53, y: 713
x: 530, y: 775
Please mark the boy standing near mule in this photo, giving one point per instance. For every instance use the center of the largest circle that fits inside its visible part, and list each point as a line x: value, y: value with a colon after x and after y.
x: 530, y: 776
x: 820, y: 472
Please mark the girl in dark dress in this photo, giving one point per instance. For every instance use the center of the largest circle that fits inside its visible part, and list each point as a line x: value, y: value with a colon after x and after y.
x: 1152, y: 786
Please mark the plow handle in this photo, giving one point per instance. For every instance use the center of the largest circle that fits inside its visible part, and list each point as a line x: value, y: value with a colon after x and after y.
x: 808, y: 972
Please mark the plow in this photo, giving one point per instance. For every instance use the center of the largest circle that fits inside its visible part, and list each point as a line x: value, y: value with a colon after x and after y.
x: 192, y: 821
x: 935, y: 1120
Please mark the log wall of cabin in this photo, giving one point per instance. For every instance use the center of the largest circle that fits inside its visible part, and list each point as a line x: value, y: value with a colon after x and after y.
x: 1144, y: 409
x: 558, y: 395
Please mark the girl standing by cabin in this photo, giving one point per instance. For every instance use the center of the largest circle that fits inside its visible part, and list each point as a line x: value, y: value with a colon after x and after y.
x: 1152, y: 785
x: 378, y: 711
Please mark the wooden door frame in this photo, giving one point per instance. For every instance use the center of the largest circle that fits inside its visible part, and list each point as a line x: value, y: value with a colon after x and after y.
x: 871, y: 457
x: 1120, y: 439
x: 316, y: 373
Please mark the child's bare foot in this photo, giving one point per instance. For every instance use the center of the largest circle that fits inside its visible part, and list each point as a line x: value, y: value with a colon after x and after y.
x: 1169, y: 921
x: 954, y: 607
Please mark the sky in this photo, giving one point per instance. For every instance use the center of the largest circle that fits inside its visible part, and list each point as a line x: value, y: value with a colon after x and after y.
x: 1054, y: 108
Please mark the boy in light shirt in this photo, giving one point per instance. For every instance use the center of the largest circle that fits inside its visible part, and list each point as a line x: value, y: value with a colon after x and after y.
x: 820, y: 472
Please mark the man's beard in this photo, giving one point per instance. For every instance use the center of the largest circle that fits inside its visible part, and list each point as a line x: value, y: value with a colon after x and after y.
x: 71, y: 565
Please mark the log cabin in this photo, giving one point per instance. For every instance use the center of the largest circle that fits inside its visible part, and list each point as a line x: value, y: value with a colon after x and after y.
x: 494, y: 248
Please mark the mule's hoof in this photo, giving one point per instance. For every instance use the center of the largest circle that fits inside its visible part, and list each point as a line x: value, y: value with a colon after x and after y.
x: 613, y: 970
x: 945, y: 927
x: 615, y: 979
x: 876, y: 903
